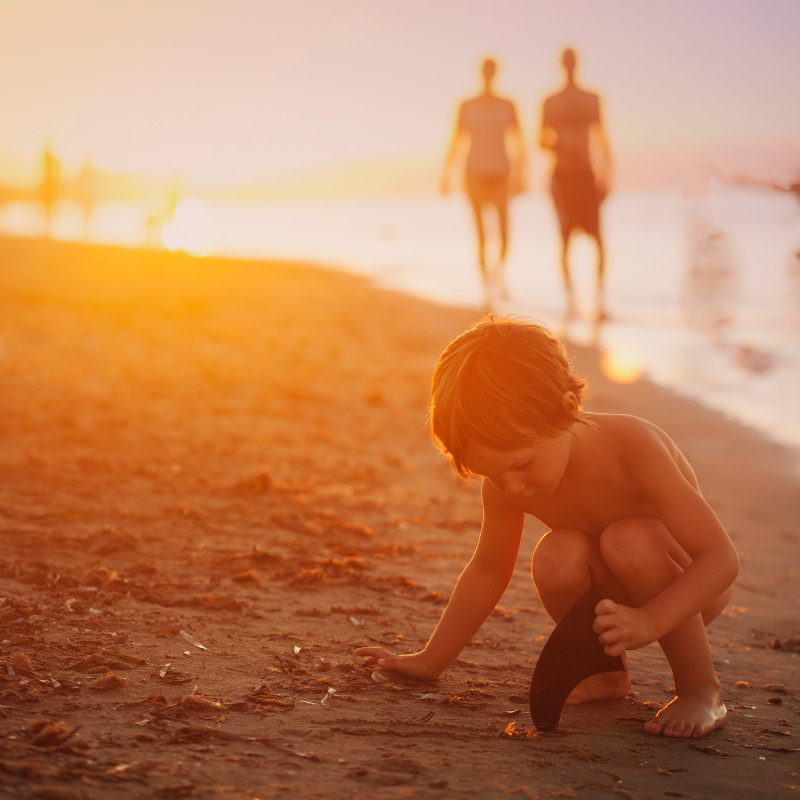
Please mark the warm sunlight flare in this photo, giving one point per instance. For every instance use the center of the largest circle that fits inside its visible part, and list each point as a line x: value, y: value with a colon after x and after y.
x: 237, y: 238
x: 623, y: 364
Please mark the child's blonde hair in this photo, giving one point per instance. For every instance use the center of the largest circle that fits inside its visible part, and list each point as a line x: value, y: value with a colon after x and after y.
x: 495, y: 384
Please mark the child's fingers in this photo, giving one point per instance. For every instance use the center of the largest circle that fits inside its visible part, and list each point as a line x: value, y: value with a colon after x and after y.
x: 605, y: 607
x: 376, y: 652
x: 603, y: 623
x: 609, y: 637
x: 616, y: 649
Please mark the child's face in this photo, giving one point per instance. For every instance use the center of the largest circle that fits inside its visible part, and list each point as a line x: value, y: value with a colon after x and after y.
x: 534, y: 469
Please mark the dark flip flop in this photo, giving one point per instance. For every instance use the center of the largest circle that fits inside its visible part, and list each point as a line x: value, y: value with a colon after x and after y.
x: 571, y: 654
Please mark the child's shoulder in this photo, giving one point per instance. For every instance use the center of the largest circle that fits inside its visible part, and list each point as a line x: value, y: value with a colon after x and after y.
x: 630, y: 433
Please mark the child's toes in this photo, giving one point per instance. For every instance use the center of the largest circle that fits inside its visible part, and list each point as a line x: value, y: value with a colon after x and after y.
x: 688, y: 730
x: 655, y: 726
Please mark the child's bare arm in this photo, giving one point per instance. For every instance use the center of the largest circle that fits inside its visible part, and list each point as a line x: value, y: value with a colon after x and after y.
x: 476, y: 593
x: 693, y: 525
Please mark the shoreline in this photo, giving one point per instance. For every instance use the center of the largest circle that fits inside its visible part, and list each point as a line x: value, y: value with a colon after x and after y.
x: 236, y: 449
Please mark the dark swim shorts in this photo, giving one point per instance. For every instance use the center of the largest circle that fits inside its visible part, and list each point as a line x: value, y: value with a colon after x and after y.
x: 577, y: 200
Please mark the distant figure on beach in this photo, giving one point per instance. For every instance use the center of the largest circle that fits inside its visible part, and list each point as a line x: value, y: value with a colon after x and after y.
x: 161, y: 217
x: 572, y: 128
x: 487, y: 124
x: 87, y: 194
x: 49, y: 186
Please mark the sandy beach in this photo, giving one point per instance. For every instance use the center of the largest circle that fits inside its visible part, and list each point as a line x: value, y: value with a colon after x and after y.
x: 216, y: 483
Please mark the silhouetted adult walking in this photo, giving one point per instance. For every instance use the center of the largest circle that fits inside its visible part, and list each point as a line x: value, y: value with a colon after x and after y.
x: 572, y: 128
x: 49, y: 186
x: 87, y: 190
x: 485, y: 124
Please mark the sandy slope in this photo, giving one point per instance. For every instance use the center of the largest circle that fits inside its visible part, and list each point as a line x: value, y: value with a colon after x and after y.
x: 236, y: 450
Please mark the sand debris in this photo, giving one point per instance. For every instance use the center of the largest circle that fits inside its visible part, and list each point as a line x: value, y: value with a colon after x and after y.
x: 168, y: 674
x: 712, y: 751
x: 107, y: 683
x: 153, y: 699
x: 47, y: 733
x: 189, y: 638
x: 790, y: 645
x: 328, y: 695
x: 20, y: 662
x: 196, y: 702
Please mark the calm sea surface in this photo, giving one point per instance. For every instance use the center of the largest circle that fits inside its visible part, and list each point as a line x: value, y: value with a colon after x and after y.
x: 704, y: 295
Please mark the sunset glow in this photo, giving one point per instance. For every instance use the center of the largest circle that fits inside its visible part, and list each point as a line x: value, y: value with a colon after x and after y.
x: 235, y: 95
x: 622, y: 364
x: 188, y: 230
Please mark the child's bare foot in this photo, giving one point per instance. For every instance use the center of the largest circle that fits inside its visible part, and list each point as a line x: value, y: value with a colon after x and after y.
x: 604, y: 686
x: 694, y: 714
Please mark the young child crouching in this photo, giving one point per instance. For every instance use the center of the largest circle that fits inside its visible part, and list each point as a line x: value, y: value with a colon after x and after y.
x: 506, y: 407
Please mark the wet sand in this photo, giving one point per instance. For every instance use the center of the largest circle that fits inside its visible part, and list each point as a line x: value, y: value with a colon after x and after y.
x: 233, y: 454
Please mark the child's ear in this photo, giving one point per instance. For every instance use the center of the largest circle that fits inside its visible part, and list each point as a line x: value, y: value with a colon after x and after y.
x: 570, y: 402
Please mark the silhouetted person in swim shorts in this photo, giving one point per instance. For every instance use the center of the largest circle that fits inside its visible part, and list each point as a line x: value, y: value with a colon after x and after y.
x: 487, y: 123
x: 572, y: 128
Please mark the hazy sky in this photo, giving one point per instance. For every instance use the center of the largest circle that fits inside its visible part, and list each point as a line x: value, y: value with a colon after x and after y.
x: 234, y: 90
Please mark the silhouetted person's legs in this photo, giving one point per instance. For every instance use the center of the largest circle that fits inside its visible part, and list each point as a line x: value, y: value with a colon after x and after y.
x: 572, y: 309
x: 566, y: 234
x: 477, y: 208
x: 601, y: 266
x: 500, y: 199
x: 502, y: 216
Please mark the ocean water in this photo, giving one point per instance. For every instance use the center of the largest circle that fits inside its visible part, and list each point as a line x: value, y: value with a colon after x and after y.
x: 704, y: 295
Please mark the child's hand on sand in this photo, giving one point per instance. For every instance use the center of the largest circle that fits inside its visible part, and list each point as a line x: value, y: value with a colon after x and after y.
x: 416, y: 664
x: 622, y: 628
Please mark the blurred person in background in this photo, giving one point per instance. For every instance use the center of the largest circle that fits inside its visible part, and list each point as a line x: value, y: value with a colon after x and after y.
x: 572, y: 129
x: 494, y: 168
x: 87, y: 192
x: 49, y: 186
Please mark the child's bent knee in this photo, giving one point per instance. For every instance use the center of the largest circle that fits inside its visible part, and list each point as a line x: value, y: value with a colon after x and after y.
x: 559, y: 559
x: 633, y: 543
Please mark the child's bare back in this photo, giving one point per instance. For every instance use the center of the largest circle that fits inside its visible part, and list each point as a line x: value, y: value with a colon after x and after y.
x: 610, y: 487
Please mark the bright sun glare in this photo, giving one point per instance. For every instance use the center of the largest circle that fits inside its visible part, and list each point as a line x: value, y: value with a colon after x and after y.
x: 622, y: 363
x: 189, y: 229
